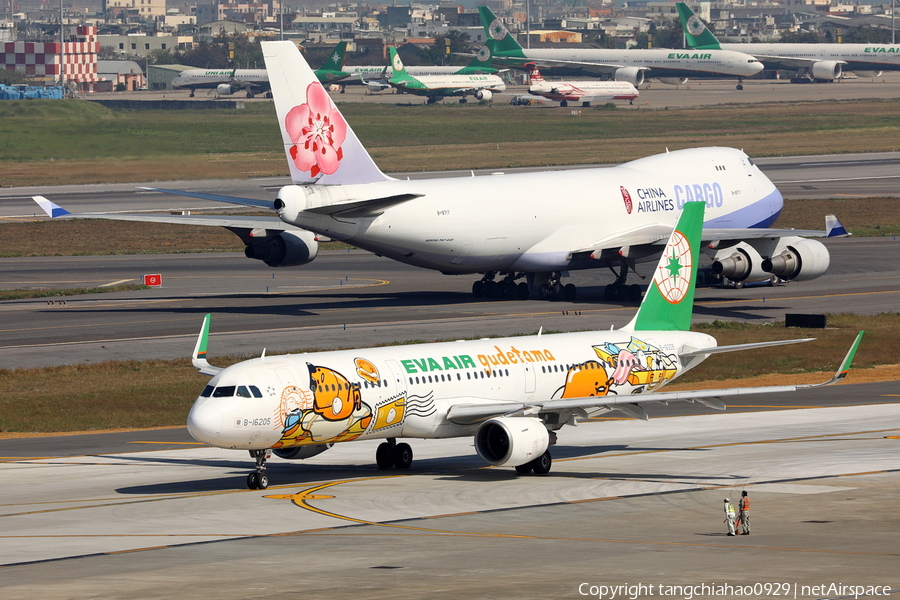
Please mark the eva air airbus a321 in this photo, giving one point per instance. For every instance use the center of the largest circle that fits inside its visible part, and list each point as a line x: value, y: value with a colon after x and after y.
x: 511, y: 395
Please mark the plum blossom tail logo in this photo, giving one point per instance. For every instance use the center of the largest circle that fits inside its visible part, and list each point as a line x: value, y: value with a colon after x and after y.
x: 695, y: 26
x: 673, y: 275
x: 317, y: 132
x: 629, y: 205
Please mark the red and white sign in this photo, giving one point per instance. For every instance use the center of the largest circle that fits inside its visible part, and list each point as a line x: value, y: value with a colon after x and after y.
x: 153, y: 280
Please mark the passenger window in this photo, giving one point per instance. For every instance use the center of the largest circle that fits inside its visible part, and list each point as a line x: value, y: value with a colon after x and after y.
x: 256, y: 392
x: 225, y: 391
x: 207, y: 391
x: 243, y: 392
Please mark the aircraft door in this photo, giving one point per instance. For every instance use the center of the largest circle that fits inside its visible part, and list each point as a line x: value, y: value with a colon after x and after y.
x: 529, y: 378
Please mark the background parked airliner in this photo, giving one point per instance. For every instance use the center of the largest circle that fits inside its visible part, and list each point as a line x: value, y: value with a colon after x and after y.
x: 253, y: 81
x: 435, y: 87
x: 633, y: 65
x: 510, y: 394
x: 585, y: 91
x: 823, y: 62
x: 523, y: 232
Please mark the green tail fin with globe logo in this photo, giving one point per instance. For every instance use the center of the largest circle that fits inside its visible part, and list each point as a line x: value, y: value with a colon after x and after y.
x: 669, y: 302
x: 696, y: 33
x: 499, y: 39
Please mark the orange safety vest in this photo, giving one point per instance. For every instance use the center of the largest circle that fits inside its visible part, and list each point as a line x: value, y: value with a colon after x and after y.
x: 745, y: 504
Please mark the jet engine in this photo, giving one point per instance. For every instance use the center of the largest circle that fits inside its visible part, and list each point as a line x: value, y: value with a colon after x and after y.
x: 226, y: 89
x: 738, y: 263
x: 799, y: 260
x: 511, y: 441
x: 869, y: 73
x: 301, y: 452
x: 827, y: 69
x: 674, y: 80
x: 484, y: 95
x: 287, y: 249
x: 632, y: 75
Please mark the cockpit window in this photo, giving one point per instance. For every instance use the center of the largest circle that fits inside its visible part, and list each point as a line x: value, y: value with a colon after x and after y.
x: 256, y: 392
x: 243, y: 392
x: 207, y: 391
x: 224, y: 391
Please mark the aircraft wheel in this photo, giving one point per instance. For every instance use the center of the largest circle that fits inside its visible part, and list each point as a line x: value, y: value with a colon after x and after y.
x: 563, y: 103
x: 609, y: 292
x: 556, y: 292
x: 740, y: 87
x: 478, y: 289
x: 269, y: 94
x: 738, y: 285
x: 634, y: 291
x: 490, y: 289
x: 192, y: 94
x: 509, y: 291
x: 541, y: 464
x: 522, y: 291
x: 253, y: 481
x: 569, y: 292
x: 463, y: 101
x: 623, y: 293
x: 402, y: 455
x: 262, y: 481
x: 523, y: 469
x: 383, y: 457
x: 545, y: 292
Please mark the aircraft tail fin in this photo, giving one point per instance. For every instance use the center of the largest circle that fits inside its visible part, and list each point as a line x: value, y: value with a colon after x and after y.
x: 834, y: 227
x: 335, y: 60
x: 52, y: 209
x: 481, y: 63
x: 535, y: 75
x: 400, y: 73
x: 696, y: 33
x: 499, y: 39
x: 669, y: 302
x: 319, y: 144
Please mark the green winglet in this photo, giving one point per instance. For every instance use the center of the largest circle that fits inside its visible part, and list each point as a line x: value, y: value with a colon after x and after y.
x: 669, y: 302
x: 696, y: 33
x: 848, y: 360
x: 199, y: 357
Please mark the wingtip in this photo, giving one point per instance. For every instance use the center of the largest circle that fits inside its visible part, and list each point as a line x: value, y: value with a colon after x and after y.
x: 53, y: 210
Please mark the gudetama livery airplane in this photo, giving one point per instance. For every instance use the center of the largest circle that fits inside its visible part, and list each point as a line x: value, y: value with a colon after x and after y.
x: 511, y: 394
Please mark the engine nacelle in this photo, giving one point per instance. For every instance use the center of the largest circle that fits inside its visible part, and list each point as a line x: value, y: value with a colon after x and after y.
x: 287, y: 249
x: 226, y: 89
x: 301, y: 452
x: 799, y: 260
x: 674, y: 80
x: 869, y: 73
x: 632, y: 75
x: 738, y: 263
x: 485, y: 95
x: 511, y: 441
x: 827, y: 69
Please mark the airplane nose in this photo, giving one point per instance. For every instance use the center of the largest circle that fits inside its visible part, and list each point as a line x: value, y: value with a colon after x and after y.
x: 204, y: 423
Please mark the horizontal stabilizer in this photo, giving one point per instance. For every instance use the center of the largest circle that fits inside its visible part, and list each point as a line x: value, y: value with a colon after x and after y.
x: 359, y: 209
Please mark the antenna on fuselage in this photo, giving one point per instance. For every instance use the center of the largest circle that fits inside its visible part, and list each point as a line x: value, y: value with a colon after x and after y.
x: 263, y: 355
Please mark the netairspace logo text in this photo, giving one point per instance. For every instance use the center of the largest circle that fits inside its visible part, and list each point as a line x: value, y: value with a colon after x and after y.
x: 759, y: 590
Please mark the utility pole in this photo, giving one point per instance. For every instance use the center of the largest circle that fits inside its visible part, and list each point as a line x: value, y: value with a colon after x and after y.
x: 62, y: 48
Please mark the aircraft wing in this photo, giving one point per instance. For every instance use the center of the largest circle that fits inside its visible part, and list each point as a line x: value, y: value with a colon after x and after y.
x: 644, y: 239
x: 591, y: 67
x: 55, y: 211
x: 790, y: 63
x: 215, y: 197
x: 467, y: 414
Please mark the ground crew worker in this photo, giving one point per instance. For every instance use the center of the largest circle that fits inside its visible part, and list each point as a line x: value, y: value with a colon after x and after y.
x: 744, y: 514
x: 729, y: 515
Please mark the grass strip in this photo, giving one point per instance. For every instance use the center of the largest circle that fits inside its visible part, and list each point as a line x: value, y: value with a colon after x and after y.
x: 44, y: 293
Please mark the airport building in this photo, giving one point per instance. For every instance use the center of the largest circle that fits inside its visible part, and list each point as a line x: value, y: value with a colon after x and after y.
x: 71, y: 61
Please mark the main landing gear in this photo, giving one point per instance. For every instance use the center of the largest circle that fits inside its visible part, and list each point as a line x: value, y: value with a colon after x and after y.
x: 554, y: 290
x: 620, y: 290
x: 505, y: 289
x: 740, y: 84
x: 540, y: 465
x: 258, y: 480
x: 391, y: 454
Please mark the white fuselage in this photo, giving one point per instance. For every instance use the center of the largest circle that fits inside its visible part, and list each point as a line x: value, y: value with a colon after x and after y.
x: 533, y: 222
x: 407, y: 391
x: 212, y: 78
x: 384, y: 73
x: 867, y: 57
x: 596, y: 90
x: 450, y: 85
x: 659, y: 62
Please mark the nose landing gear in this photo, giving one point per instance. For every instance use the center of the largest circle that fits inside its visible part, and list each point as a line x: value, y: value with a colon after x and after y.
x: 258, y: 480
